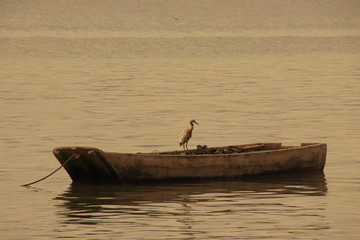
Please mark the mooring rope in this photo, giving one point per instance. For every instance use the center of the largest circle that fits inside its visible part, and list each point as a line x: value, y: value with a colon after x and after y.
x: 62, y: 165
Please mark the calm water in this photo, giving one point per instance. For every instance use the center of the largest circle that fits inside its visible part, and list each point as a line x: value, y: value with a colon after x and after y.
x: 127, y: 76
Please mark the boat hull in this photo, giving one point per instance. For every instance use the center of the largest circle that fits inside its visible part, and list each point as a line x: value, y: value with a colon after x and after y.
x: 94, y: 165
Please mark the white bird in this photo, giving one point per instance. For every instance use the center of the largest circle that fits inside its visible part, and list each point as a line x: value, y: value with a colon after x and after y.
x: 186, y: 135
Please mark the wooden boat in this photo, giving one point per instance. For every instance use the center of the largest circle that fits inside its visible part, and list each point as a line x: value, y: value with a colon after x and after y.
x: 85, y: 164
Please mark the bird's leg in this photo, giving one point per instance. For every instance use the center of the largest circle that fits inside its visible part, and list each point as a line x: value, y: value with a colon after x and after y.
x: 187, y: 145
x: 184, y: 146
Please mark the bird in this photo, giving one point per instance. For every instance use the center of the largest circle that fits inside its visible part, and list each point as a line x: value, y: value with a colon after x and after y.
x: 186, y: 135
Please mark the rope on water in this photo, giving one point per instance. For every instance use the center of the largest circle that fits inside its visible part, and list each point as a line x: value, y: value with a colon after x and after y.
x: 62, y: 165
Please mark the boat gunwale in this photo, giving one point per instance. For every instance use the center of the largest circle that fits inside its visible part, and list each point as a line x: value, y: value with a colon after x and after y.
x: 282, y: 148
x: 163, y: 154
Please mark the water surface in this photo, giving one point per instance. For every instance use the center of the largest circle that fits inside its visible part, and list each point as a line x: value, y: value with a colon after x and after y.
x: 127, y: 76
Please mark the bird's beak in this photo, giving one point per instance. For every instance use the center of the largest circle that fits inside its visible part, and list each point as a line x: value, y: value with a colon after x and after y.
x: 196, y: 122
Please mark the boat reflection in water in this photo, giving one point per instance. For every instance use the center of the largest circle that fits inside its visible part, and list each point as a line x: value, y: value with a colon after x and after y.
x: 259, y: 199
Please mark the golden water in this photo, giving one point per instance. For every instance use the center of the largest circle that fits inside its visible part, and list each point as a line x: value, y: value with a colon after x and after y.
x: 127, y: 76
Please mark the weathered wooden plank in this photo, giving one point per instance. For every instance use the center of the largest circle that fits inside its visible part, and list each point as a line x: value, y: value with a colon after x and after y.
x: 94, y: 165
